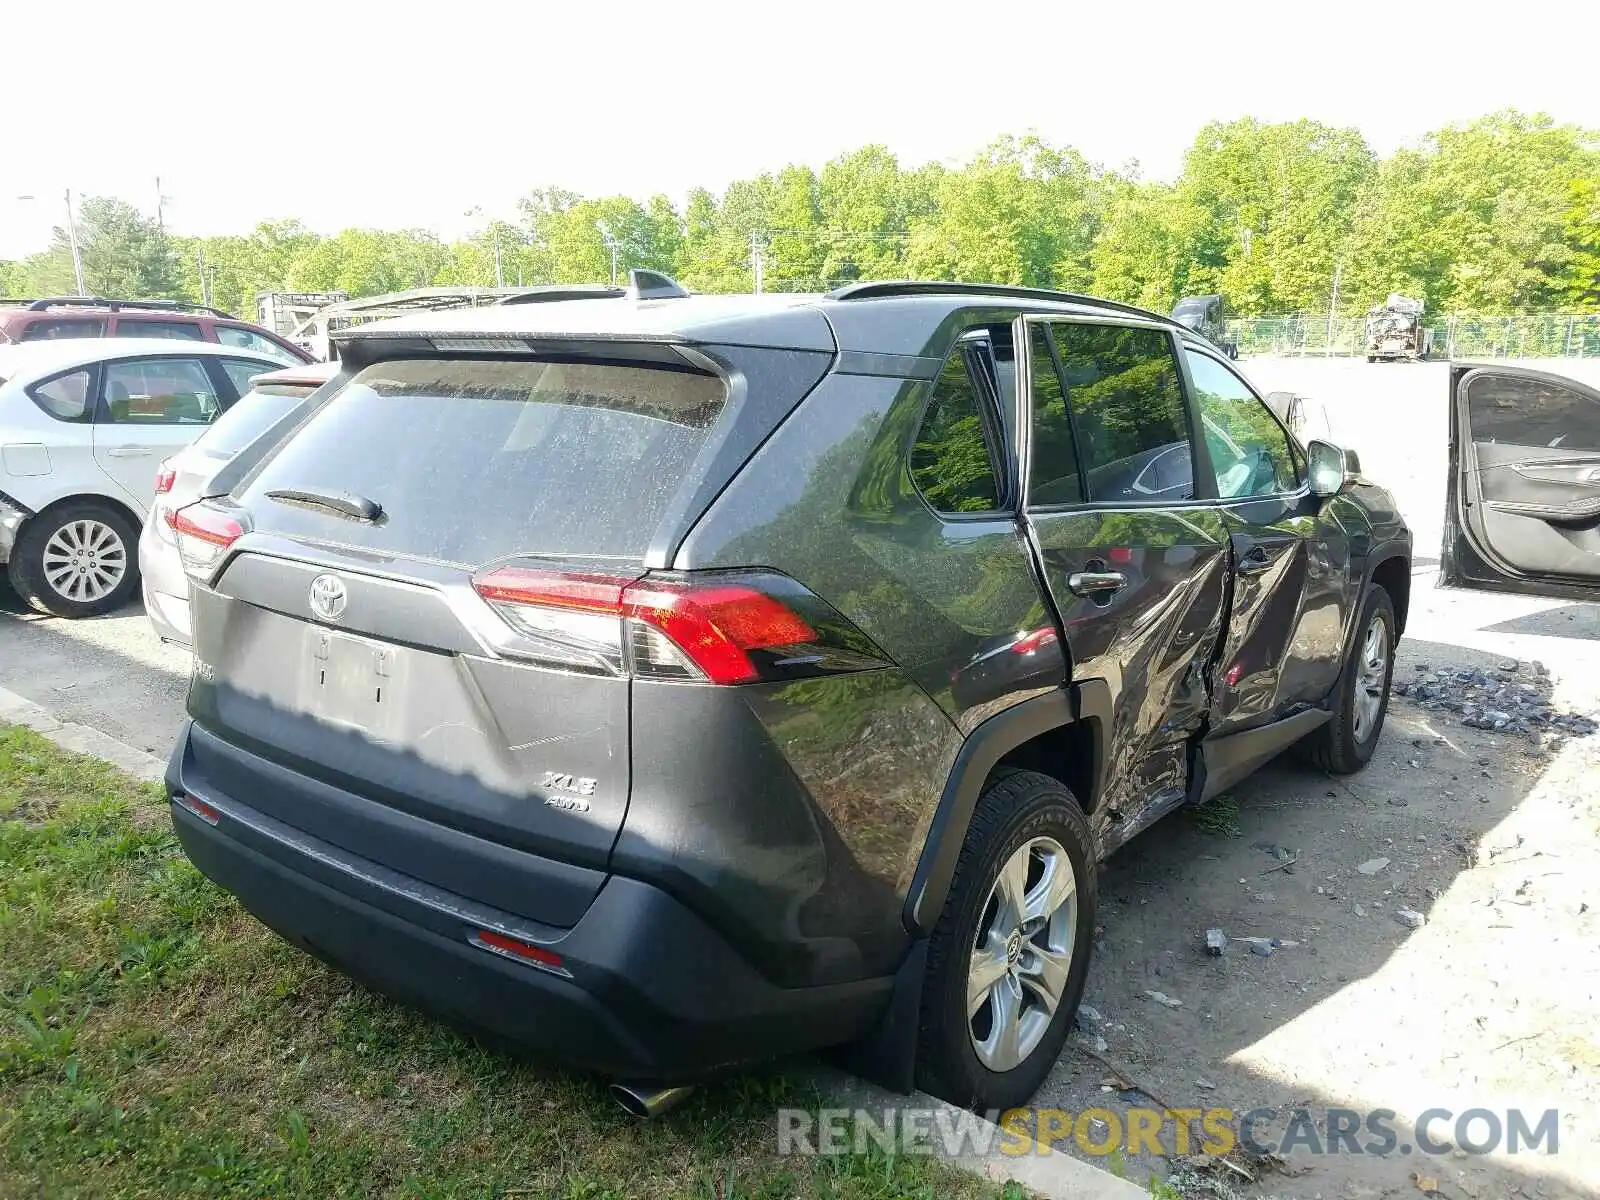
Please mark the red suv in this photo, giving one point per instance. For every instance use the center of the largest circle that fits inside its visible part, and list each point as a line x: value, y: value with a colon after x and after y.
x: 91, y: 316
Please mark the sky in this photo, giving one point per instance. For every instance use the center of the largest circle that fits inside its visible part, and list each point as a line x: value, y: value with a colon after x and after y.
x: 415, y: 113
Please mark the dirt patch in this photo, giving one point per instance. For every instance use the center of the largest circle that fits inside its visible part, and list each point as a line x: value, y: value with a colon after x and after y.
x: 1418, y: 936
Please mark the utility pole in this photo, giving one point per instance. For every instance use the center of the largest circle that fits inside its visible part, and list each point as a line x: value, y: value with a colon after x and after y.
x: 758, y: 262
x: 205, y: 284
x: 72, y: 240
x: 1333, y: 307
x: 499, y: 275
x: 161, y: 224
x: 610, y: 242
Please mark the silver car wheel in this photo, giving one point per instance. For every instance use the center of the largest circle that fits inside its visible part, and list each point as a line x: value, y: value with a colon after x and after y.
x: 84, y: 561
x: 1372, y: 679
x: 1022, y: 954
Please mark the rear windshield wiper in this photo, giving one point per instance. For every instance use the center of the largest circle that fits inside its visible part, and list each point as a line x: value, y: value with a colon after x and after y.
x: 346, y: 504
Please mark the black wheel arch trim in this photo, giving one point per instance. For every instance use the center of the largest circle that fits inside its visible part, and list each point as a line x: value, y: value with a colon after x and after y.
x: 1382, y: 552
x: 986, y: 746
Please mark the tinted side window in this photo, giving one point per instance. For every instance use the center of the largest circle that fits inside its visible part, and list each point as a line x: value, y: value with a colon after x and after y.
x: 185, y: 331
x: 240, y: 372
x: 159, y: 391
x: 1054, y: 477
x: 64, y: 327
x: 1531, y: 412
x: 249, y: 339
x: 1250, y: 452
x: 66, y: 397
x: 1122, y: 384
x: 950, y: 461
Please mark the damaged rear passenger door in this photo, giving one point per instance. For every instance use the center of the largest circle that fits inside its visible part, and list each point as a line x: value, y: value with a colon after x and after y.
x: 1134, y: 555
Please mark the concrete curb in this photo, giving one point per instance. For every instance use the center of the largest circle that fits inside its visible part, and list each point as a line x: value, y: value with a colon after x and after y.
x: 1044, y: 1172
x: 19, y: 710
x: 1047, y: 1173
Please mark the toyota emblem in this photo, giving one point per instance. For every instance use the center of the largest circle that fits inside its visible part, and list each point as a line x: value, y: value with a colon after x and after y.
x: 328, y: 597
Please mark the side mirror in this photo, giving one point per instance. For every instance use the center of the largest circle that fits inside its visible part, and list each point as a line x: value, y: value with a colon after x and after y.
x: 1333, y: 468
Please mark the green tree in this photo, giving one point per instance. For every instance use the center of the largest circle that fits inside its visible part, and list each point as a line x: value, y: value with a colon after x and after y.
x: 13, y: 278
x: 1271, y: 206
x: 1476, y: 219
x: 1582, y: 222
x: 124, y: 254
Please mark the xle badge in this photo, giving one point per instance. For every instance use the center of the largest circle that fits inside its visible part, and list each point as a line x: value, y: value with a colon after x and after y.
x: 579, y: 787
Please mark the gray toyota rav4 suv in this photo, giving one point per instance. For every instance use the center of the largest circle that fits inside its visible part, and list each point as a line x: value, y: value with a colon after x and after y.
x: 669, y: 682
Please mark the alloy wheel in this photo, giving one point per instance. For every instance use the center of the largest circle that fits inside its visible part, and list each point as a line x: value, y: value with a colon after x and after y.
x: 85, y: 560
x: 1372, y: 678
x: 1022, y: 954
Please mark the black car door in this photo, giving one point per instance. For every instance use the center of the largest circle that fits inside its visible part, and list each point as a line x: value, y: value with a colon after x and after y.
x: 1135, y: 559
x: 1288, y: 605
x: 1523, y: 507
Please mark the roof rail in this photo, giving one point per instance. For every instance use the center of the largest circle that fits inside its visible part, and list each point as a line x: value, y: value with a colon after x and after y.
x: 550, y: 293
x: 118, y: 305
x: 654, y: 285
x: 873, y: 290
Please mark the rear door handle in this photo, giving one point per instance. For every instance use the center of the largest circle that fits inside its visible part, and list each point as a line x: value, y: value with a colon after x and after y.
x: 130, y: 452
x: 1089, y: 583
x: 1255, y: 562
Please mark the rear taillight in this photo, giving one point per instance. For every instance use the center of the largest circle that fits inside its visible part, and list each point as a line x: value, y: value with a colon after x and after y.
x: 725, y: 628
x: 166, y: 476
x: 204, y: 535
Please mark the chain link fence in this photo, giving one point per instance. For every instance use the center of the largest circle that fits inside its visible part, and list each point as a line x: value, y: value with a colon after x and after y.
x: 1550, y: 336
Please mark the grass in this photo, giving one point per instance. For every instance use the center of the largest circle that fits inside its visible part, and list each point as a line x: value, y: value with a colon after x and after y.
x: 1218, y: 816
x: 155, y: 1041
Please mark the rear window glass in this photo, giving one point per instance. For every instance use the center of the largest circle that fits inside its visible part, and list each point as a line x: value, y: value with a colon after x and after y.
x: 474, y: 460
x: 254, y: 413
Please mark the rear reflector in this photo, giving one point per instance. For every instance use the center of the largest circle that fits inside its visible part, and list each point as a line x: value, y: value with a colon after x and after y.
x: 197, y: 806
x: 515, y: 948
x: 724, y: 628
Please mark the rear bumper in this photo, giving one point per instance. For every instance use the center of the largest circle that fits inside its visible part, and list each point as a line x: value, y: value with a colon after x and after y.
x: 165, y: 586
x: 653, y: 991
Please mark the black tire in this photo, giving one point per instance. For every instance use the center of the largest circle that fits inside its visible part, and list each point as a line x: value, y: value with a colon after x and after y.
x: 27, y: 566
x: 1343, y: 746
x: 1019, y: 809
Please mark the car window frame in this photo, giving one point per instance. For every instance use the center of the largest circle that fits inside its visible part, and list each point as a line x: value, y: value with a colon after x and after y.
x: 975, y: 343
x: 1297, y: 454
x: 1199, y: 458
x: 91, y: 408
x: 102, y: 411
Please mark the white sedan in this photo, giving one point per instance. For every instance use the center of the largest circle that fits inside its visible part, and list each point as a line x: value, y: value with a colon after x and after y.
x: 84, y: 426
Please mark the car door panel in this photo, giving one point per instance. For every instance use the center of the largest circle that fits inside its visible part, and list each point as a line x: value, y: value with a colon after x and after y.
x: 1523, y: 509
x: 1281, y: 647
x: 149, y: 409
x: 1151, y: 641
x: 1287, y: 612
x: 1139, y: 580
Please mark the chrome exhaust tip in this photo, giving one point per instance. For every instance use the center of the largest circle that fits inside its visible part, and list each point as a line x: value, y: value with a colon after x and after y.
x: 646, y: 1100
